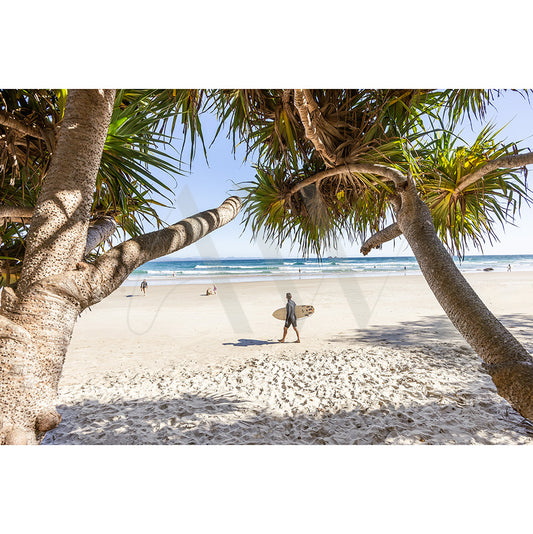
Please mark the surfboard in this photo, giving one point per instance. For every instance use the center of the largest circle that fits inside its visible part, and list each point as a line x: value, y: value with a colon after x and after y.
x: 302, y: 310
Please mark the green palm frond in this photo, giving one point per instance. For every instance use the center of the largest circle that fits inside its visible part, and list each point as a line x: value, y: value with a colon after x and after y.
x: 303, y: 219
x: 139, y: 142
x: 470, y: 216
x: 411, y: 130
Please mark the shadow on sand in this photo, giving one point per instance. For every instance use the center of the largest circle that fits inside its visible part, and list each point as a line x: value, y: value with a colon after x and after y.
x: 250, y: 342
x: 194, y: 419
x: 432, y: 330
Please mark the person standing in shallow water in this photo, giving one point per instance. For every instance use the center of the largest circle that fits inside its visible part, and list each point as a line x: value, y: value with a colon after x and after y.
x: 290, y: 319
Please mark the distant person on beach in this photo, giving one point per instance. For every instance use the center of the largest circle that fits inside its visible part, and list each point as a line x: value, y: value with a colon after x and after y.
x: 208, y: 291
x: 144, y: 285
x: 290, y: 319
x: 509, y: 268
x: 214, y: 289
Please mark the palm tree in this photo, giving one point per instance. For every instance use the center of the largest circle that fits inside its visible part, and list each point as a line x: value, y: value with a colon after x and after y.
x: 127, y: 193
x: 84, y: 161
x: 347, y: 162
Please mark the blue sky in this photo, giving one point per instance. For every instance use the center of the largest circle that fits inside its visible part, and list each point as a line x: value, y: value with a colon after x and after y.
x: 208, y: 184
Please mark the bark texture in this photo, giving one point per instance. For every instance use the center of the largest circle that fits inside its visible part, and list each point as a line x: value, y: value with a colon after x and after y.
x: 112, y: 268
x: 36, y: 322
x: 9, y: 121
x: 58, y: 231
x: 509, y: 364
x: 15, y: 214
x: 98, y: 232
x: 505, y: 162
x: 390, y: 174
x: 387, y: 234
x: 311, y: 119
x: 36, y: 326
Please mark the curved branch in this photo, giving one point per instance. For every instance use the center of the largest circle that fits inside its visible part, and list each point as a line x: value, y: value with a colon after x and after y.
x: 389, y: 173
x: 111, y: 269
x: 100, y: 230
x: 505, y: 162
x: 387, y: 234
x: 9, y: 121
x: 309, y: 112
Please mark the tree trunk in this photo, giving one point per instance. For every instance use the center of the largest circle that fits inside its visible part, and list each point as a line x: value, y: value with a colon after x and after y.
x: 509, y: 364
x: 36, y: 326
x: 58, y: 230
x: 37, y: 321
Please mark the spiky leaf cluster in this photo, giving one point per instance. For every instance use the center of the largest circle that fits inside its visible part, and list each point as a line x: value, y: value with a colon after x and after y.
x: 410, y: 130
x: 138, y: 142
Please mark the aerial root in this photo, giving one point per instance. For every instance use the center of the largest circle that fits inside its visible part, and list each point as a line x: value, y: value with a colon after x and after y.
x: 47, y: 420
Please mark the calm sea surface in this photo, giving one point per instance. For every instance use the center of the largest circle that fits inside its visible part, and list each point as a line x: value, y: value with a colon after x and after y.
x: 246, y: 269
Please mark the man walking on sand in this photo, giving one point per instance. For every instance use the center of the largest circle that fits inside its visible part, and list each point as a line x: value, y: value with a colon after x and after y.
x: 290, y: 319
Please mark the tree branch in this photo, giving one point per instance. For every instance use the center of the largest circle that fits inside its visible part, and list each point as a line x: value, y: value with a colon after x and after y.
x: 389, y: 173
x: 16, y: 214
x: 505, y: 162
x: 387, y: 234
x: 310, y: 114
x: 9, y: 121
x: 111, y: 269
x: 100, y: 230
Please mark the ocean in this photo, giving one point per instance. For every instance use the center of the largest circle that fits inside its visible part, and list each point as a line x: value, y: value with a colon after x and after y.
x: 210, y: 271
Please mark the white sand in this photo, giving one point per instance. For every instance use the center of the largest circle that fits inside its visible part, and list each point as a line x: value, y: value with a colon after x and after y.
x: 379, y: 363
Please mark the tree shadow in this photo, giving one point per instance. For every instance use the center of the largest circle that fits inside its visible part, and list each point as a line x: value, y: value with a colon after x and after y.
x: 194, y: 420
x: 251, y: 342
x: 431, y: 331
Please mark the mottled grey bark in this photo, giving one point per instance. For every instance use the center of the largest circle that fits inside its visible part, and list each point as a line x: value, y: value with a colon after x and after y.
x: 35, y: 328
x: 387, y: 234
x: 100, y: 230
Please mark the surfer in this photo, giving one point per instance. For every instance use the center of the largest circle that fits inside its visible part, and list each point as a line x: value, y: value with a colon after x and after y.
x: 290, y: 319
x: 144, y: 285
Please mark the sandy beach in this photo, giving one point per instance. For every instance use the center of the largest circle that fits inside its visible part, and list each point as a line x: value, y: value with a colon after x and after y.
x: 379, y: 363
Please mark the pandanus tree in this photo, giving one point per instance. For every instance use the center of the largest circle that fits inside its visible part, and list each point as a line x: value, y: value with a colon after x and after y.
x: 372, y: 165
x: 73, y: 167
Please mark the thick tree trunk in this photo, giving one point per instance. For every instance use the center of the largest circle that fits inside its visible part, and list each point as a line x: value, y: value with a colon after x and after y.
x: 36, y: 322
x: 509, y: 364
x: 58, y: 230
x: 36, y: 326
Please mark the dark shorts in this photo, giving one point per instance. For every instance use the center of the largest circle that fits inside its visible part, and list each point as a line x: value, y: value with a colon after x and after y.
x: 289, y: 322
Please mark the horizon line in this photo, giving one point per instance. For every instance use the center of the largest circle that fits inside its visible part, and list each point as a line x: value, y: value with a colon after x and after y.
x: 210, y: 258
